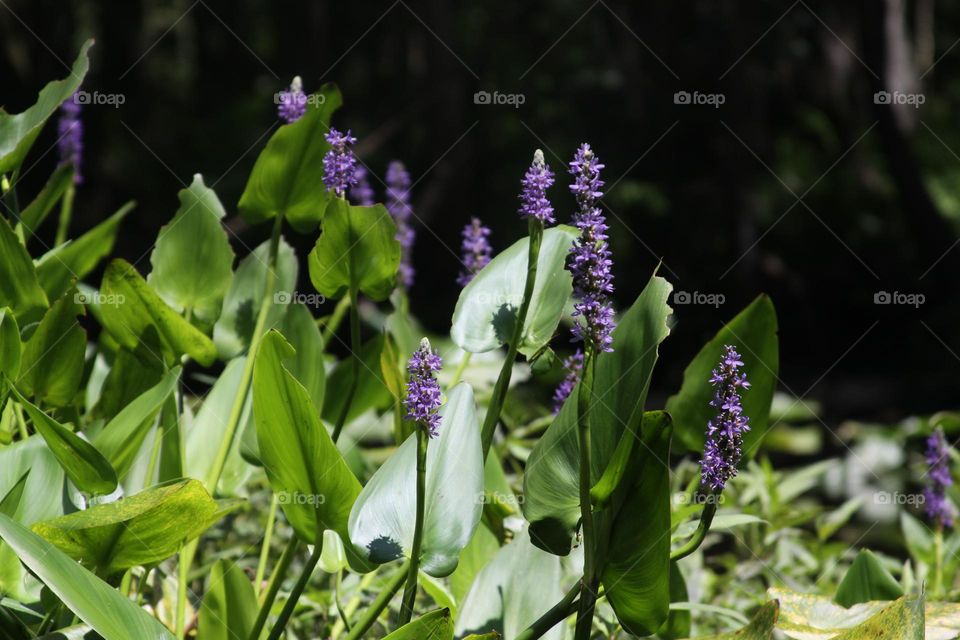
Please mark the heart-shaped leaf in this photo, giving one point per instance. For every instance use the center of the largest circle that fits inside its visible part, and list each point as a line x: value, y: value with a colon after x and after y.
x: 288, y: 175
x: 382, y: 519
x: 301, y: 330
x: 357, y: 251
x: 867, y: 579
x: 229, y: 606
x: 486, y: 310
x: 193, y: 243
x: 19, y: 288
x: 53, y: 357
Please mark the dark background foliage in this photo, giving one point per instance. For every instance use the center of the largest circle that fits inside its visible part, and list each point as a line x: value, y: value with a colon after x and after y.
x: 798, y: 185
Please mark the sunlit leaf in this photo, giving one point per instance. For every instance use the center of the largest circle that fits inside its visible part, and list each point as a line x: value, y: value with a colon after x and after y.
x: 53, y: 358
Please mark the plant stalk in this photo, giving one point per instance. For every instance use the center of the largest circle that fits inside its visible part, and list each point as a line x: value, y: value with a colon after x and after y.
x: 706, y: 518
x: 410, y: 590
x: 66, y: 211
x: 354, y: 363
x: 588, y: 584
x: 265, y: 548
x: 379, y: 604
x: 273, y: 587
x: 938, y: 560
x: 333, y: 323
x: 557, y: 614
x: 294, y: 596
x: 461, y: 367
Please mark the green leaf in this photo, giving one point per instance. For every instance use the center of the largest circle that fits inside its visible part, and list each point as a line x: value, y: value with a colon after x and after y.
x: 315, y: 487
x: 829, y: 523
x: 238, y: 317
x: 678, y: 622
x: 760, y: 627
x: 482, y: 548
x: 518, y: 586
x: 287, y: 177
x: 83, y: 464
x: 371, y: 390
x: 138, y: 315
x: 19, y: 131
x: 10, y: 347
x: 11, y: 500
x: 53, y: 357
x: 111, y: 615
x: 918, y: 538
x: 382, y: 519
x: 435, y: 625
x: 229, y: 606
x: 37, y: 211
x: 142, y: 529
x: 75, y: 259
x: 194, y: 243
x: 19, y: 288
x: 33, y: 459
x: 867, y: 579
x: 486, y: 310
x: 357, y: 251
x: 301, y: 330
x: 754, y: 334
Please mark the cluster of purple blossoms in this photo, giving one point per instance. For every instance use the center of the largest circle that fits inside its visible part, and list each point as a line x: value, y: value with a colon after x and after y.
x: 533, y: 198
x: 70, y: 135
x: 721, y: 453
x: 361, y: 192
x: 589, y: 260
x: 475, y: 250
x: 938, y: 455
x: 398, y: 204
x: 292, y: 103
x: 423, y: 390
x: 339, y: 163
x: 574, y: 367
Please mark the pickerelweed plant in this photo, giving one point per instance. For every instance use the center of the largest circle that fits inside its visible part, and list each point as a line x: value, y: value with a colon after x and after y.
x: 206, y: 408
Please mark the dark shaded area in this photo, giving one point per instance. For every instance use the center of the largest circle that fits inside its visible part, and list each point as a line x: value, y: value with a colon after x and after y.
x: 799, y: 184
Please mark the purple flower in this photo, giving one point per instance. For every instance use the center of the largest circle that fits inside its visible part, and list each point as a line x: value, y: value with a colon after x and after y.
x: 70, y: 135
x: 361, y: 192
x: 589, y: 259
x: 574, y: 367
x: 423, y: 390
x: 721, y: 453
x: 938, y: 455
x: 475, y: 250
x: 533, y: 198
x: 398, y: 204
x: 292, y: 103
x: 339, y: 163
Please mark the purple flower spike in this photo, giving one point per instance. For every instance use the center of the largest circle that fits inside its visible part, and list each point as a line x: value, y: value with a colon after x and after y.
x: 721, y: 453
x: 475, y: 250
x: 70, y: 135
x: 574, y: 367
x: 339, y: 163
x: 938, y: 463
x: 533, y: 198
x: 423, y: 390
x: 398, y: 204
x: 589, y: 260
x: 361, y: 192
x: 292, y: 103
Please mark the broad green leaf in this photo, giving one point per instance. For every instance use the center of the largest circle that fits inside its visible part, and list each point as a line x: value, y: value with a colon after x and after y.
x: 382, y: 519
x: 918, y: 538
x: 678, y: 622
x: 10, y: 347
x: 120, y: 440
x: 371, y: 390
x: 760, y: 627
x: 142, y: 529
x: 357, y: 251
x: 136, y: 315
x: 287, y: 177
x: 435, y: 625
x: 10, y: 502
x: 110, y: 614
x: 518, y: 586
x: 37, y: 211
x: 311, y: 479
x: 192, y: 259
x: 127, y: 378
x: 19, y: 131
x: 486, y: 311
x: 301, y: 330
x: 474, y: 557
x: 53, y: 358
x: 867, y: 579
x: 754, y: 334
x: 229, y: 606
x: 19, y: 288
x: 75, y: 259
x: 238, y: 316
x: 86, y: 467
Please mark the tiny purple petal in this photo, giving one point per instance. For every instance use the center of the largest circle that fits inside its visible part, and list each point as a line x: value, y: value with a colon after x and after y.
x: 398, y: 204
x: 339, y: 172
x: 423, y: 390
x: 475, y: 250
x: 574, y: 367
x: 722, y: 451
x: 533, y: 198
x: 938, y: 508
x: 70, y: 135
x: 361, y: 192
x: 292, y: 103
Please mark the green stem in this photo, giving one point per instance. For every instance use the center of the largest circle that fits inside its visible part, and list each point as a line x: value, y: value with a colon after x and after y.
x: 21, y: 423
x: 557, y: 614
x: 336, y: 600
x: 495, y: 406
x: 461, y: 367
x: 706, y: 518
x: 938, y: 561
x: 588, y: 584
x: 379, y: 604
x: 354, y: 363
x: 333, y: 323
x: 276, y: 579
x: 294, y: 596
x: 410, y: 590
x: 66, y: 211
x: 265, y: 548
